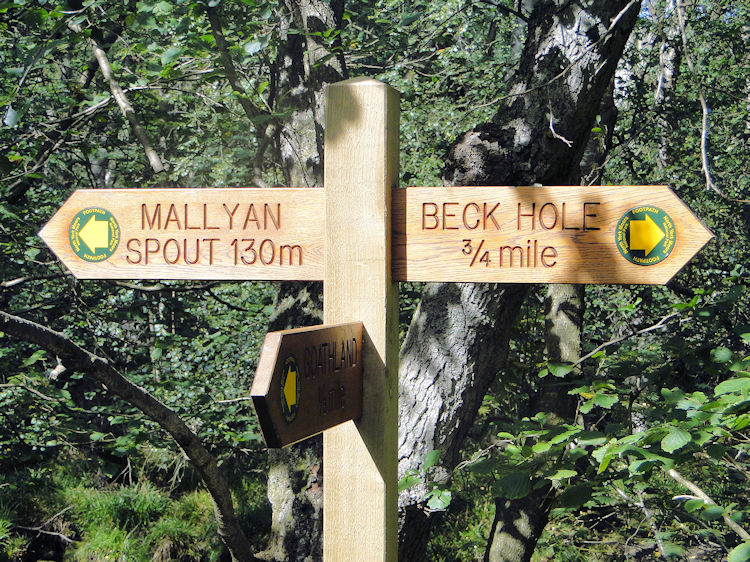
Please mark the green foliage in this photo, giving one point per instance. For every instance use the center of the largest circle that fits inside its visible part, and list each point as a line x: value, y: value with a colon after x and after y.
x: 740, y: 553
x: 139, y: 522
x: 12, y: 546
x: 126, y: 507
x: 437, y: 495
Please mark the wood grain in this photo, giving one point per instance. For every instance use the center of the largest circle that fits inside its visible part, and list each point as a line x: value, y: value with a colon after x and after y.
x: 230, y: 233
x: 443, y: 234
x: 360, y: 460
x: 556, y: 234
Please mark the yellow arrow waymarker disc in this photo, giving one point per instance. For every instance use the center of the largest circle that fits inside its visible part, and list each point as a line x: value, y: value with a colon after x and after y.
x: 645, y: 235
x: 94, y: 234
x: 290, y: 389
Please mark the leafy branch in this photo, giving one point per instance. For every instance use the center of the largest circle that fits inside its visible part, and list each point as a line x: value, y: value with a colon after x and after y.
x: 78, y: 359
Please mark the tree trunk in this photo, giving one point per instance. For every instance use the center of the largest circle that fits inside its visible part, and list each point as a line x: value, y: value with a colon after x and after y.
x: 669, y: 64
x: 457, y: 341
x: 295, y: 473
x: 303, y: 73
x: 516, y: 528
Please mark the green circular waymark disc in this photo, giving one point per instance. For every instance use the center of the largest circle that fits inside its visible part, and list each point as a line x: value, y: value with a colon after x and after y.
x: 645, y: 235
x: 290, y: 389
x: 94, y: 234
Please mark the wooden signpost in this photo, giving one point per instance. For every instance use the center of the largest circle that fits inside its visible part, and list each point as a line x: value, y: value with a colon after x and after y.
x: 359, y: 235
x: 557, y: 234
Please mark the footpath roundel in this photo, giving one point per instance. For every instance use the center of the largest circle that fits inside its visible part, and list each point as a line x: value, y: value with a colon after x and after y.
x: 645, y: 235
x: 290, y: 389
x: 94, y: 234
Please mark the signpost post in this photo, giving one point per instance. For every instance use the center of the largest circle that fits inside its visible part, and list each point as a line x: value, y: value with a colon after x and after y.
x: 344, y: 234
x: 360, y: 495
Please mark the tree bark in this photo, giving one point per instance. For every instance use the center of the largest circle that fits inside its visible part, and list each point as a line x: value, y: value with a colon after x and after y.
x: 457, y: 342
x: 78, y: 359
x: 670, y: 55
x: 302, y: 70
x: 251, y: 112
x: 127, y: 109
x: 305, y: 66
x: 295, y: 474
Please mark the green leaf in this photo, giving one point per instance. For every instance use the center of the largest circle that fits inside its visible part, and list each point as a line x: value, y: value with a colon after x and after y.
x: 735, y: 384
x: 541, y: 447
x: 741, y: 422
x: 439, y: 499
x: 483, y: 466
x: 562, y: 474
x: 716, y: 451
x: 257, y: 45
x: 671, y: 549
x: 156, y: 353
x: 575, y: 496
x: 606, y: 400
x: 267, y: 13
x: 712, y: 512
x: 514, y: 485
x: 560, y: 369
x: 591, y: 438
x: 740, y: 553
x: 641, y: 466
x: 170, y: 55
x: 604, y: 456
x: 431, y: 459
x: 737, y: 516
x: 38, y: 355
x: 408, y: 19
x: 408, y: 481
x: 673, y: 395
x: 565, y: 436
x: 694, y: 505
x: 163, y: 7
x: 675, y: 439
x: 721, y: 354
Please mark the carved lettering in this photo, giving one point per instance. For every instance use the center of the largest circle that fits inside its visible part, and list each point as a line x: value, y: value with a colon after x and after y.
x: 172, y: 251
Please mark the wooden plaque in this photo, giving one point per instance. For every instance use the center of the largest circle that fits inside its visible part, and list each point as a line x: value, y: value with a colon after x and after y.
x: 308, y: 380
x: 227, y: 233
x: 560, y: 234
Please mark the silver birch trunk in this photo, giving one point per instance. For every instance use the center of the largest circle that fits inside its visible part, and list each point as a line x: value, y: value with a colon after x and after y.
x: 457, y: 342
